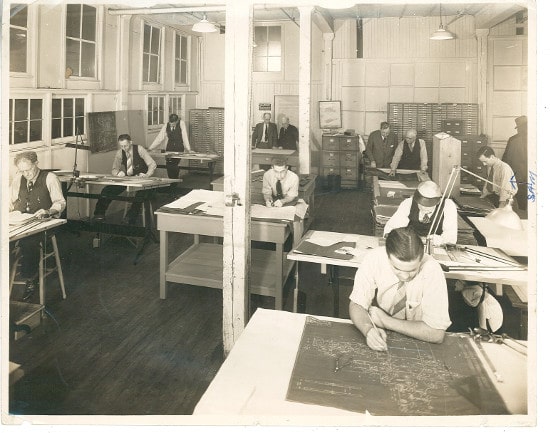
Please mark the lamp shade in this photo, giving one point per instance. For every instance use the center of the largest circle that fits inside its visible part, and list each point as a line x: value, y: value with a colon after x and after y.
x: 442, y: 34
x: 204, y: 26
x: 505, y: 217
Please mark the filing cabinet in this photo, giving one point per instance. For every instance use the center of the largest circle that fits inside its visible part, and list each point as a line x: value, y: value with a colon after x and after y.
x: 340, y: 157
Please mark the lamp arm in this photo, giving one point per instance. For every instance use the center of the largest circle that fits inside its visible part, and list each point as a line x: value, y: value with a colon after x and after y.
x: 509, y: 191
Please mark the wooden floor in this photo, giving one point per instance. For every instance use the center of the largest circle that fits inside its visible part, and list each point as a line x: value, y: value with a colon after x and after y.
x: 114, y: 348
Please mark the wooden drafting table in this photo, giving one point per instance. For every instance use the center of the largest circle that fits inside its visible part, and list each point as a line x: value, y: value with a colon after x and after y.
x: 133, y: 184
x: 264, y: 157
x: 363, y: 243
x: 202, y: 263
x: 252, y: 383
x: 209, y: 158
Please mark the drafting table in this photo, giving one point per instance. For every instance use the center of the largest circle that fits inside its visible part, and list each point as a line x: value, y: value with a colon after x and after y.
x: 209, y: 158
x: 202, y: 263
x: 133, y: 184
x: 513, y: 242
x: 252, y: 383
x: 513, y: 278
x: 264, y: 157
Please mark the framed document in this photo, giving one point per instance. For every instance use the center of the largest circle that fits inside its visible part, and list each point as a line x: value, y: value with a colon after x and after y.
x: 330, y: 114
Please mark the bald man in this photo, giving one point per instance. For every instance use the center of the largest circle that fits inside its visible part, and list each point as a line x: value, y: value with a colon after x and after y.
x: 410, y: 154
x: 288, y: 135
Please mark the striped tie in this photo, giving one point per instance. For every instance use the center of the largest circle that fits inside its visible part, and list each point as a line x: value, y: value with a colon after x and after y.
x: 129, y: 165
x: 399, y: 302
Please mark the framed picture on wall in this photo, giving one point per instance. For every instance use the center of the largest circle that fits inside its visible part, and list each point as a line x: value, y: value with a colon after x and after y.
x: 330, y: 114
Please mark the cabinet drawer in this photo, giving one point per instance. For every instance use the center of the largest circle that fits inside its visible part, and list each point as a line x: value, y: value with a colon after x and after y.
x: 348, y: 159
x: 331, y: 158
x: 349, y: 173
x: 325, y: 171
x: 349, y: 143
x: 331, y: 142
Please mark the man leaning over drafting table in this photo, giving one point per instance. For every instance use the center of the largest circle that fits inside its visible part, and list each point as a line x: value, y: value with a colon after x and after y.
x: 399, y: 288
x: 280, y: 185
x: 418, y: 212
x: 37, y: 192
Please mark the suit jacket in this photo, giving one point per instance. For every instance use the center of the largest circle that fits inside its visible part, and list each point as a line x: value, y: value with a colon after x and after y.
x: 379, y: 150
x: 288, y: 137
x: 257, y: 136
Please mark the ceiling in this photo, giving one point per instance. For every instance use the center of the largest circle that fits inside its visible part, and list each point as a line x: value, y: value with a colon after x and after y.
x: 185, y: 15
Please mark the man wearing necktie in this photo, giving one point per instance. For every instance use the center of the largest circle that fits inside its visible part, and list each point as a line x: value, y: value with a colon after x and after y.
x: 175, y: 136
x: 130, y: 160
x: 501, y: 175
x: 411, y: 154
x: 399, y: 288
x: 39, y: 193
x: 280, y: 185
x: 419, y: 212
x: 265, y: 134
x: 381, y: 146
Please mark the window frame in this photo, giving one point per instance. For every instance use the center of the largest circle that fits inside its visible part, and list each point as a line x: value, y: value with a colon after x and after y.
x: 160, y: 69
x: 187, y: 60
x: 97, y: 44
x: 11, y: 130
x: 26, y: 72
x: 163, y: 106
x: 254, y: 56
x: 181, y: 107
x: 68, y: 138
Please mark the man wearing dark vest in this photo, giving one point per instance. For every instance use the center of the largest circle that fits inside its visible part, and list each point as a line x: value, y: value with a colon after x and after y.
x: 419, y: 212
x: 130, y: 160
x: 36, y: 192
x: 288, y: 135
x: 175, y: 136
x: 410, y: 154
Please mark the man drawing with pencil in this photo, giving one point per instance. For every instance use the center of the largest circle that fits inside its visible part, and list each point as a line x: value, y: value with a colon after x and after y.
x: 399, y: 288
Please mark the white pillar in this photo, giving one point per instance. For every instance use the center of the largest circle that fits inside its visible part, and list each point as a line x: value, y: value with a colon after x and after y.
x: 304, y: 104
x: 481, y: 36
x: 328, y: 38
x: 236, y: 221
x: 124, y: 32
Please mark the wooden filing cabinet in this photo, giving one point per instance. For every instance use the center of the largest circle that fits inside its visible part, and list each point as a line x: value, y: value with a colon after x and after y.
x: 340, y: 156
x: 470, y: 144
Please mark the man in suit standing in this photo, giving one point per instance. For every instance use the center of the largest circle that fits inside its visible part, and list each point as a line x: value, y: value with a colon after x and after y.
x: 515, y: 156
x: 381, y: 146
x: 265, y: 134
x: 288, y: 135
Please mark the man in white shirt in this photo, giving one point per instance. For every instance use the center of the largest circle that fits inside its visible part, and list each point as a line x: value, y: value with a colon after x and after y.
x: 419, y: 212
x: 410, y: 154
x: 500, y: 174
x: 280, y: 185
x: 175, y: 136
x: 399, y: 288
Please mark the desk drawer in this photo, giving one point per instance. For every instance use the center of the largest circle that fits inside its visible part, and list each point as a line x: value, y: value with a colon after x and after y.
x: 348, y: 159
x: 331, y: 158
x: 330, y: 142
x: 349, y: 143
x: 349, y: 173
x: 326, y: 170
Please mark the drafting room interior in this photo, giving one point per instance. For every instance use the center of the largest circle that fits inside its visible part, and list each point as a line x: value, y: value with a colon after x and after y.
x: 130, y: 319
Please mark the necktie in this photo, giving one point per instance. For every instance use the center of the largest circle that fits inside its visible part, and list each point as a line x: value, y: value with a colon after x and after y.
x: 426, y: 219
x: 173, y: 129
x: 399, y: 302
x: 279, y: 189
x: 130, y: 167
x: 490, y: 185
x: 265, y: 132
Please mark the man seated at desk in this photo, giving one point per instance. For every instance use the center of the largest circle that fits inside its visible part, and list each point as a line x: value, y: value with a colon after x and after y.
x: 500, y: 174
x: 130, y: 160
x: 36, y: 192
x: 399, y: 288
x: 411, y: 154
x: 418, y: 212
x: 175, y: 136
x: 280, y: 185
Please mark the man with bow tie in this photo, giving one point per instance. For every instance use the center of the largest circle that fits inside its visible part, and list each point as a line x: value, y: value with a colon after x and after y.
x: 175, y: 136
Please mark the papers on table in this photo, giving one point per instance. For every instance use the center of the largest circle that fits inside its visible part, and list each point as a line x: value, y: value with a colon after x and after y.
x: 275, y: 151
x: 17, y: 218
x: 263, y: 212
x: 476, y: 259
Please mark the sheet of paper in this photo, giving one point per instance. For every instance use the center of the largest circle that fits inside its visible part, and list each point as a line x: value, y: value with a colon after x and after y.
x: 279, y: 213
x: 213, y: 199
x: 17, y: 218
x: 329, y: 238
x: 275, y: 151
x: 513, y: 242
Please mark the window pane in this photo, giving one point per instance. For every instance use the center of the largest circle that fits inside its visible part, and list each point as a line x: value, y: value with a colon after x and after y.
x: 88, y: 23
x: 274, y: 34
x: 260, y: 50
x: 260, y: 64
x: 260, y: 35
x: 155, y: 40
x: 11, y: 136
x: 73, y: 21
x: 36, y: 109
x: 67, y: 107
x: 88, y: 60
x: 178, y: 52
x: 18, y: 15
x: 146, y: 38
x: 79, y: 125
x: 36, y: 130
x: 73, y: 55
x: 67, y: 126
x: 11, y: 110
x: 21, y: 109
x: 56, y: 128
x: 274, y: 48
x: 274, y: 64
x: 155, y: 117
x: 18, y: 50
x: 79, y: 106
x: 56, y: 108
x: 153, y: 77
x: 20, y: 132
x: 145, y: 67
x: 183, y: 72
x: 150, y: 118
x: 184, y: 48
x: 177, y: 71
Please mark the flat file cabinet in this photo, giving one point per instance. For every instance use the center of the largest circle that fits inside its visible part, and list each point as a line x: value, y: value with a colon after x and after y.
x: 340, y: 156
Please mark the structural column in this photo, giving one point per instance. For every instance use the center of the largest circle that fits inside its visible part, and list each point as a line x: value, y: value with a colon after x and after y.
x: 482, y: 62
x: 236, y: 221
x: 328, y: 38
x: 124, y: 60
x: 304, y: 103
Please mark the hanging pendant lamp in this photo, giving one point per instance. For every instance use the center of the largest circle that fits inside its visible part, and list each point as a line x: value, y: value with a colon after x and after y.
x: 441, y: 34
x: 204, y: 26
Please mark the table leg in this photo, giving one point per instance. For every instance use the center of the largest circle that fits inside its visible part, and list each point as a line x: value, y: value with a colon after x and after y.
x: 163, y: 262
x: 279, y: 276
x: 211, y: 170
x: 335, y: 277
x: 296, y: 280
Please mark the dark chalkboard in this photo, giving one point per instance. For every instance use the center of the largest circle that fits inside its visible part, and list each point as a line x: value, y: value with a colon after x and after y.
x: 102, y: 131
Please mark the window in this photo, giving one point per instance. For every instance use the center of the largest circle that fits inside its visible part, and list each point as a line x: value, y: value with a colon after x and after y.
x: 175, y: 105
x: 67, y: 117
x: 80, y: 41
x: 155, y: 110
x: 25, y: 120
x: 181, y: 59
x: 18, y: 38
x: 151, y: 54
x: 267, y: 53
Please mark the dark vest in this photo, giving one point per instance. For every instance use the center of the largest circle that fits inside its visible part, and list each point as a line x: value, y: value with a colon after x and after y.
x: 36, y: 199
x: 175, y: 140
x: 137, y: 161
x: 421, y: 228
x: 288, y: 137
x: 410, y: 160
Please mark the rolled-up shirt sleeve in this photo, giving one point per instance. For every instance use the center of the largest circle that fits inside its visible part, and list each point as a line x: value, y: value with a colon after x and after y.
x: 151, y: 164
x: 364, y: 285
x: 56, y: 194
x: 397, y: 156
x: 423, y: 156
x: 400, y: 218
x: 435, y: 300
x: 159, y: 139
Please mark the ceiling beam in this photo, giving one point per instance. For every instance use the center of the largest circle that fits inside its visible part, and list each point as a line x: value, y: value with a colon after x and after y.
x: 494, y: 14
x: 149, y: 11
x: 323, y: 19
